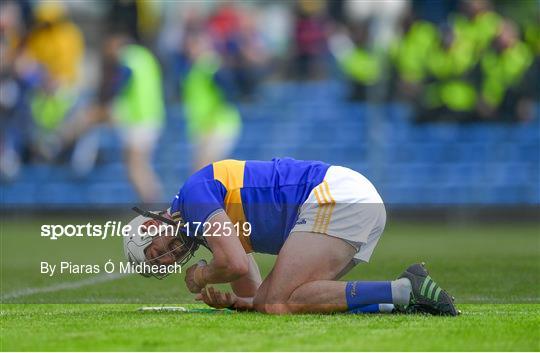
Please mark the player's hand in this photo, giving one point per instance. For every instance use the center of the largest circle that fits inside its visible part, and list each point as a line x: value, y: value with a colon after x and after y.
x: 194, y: 284
x: 216, y: 299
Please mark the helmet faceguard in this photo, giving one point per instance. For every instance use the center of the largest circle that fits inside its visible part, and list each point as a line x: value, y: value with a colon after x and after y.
x: 182, y: 247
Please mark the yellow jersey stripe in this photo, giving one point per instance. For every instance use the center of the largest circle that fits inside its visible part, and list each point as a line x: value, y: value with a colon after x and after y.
x: 231, y: 174
x: 235, y: 211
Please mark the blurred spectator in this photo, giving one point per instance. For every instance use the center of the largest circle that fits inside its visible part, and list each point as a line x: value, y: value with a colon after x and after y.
x: 382, y: 16
x: 477, y: 23
x: 470, y: 69
x: 15, y: 81
x: 223, y: 24
x: 213, y: 122
x: 140, y: 19
x: 449, y: 91
x: 179, y: 18
x: 239, y: 43
x: 124, y: 17
x: 56, y: 45
x: 247, y: 56
x: 361, y: 66
x: 40, y: 73
x: 410, y: 55
x: 275, y: 21
x: 310, y: 35
x: 130, y: 96
x: 149, y: 20
x: 532, y: 38
x: 505, y: 93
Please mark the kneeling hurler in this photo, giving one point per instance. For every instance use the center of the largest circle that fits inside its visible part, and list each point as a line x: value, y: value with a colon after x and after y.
x: 320, y: 221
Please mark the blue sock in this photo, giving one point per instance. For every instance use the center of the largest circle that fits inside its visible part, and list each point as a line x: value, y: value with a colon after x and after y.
x: 360, y: 293
x: 370, y: 308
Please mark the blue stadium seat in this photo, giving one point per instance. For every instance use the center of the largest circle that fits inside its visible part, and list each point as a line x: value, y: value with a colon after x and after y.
x: 411, y: 164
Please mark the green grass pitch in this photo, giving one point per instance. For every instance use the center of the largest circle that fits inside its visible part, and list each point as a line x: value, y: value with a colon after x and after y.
x: 492, y: 269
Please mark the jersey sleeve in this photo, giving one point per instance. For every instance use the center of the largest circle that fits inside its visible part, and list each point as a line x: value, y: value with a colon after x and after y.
x: 200, y: 200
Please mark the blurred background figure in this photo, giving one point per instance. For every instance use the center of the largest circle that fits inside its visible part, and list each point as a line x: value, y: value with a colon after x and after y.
x: 449, y: 92
x: 310, y: 39
x: 409, y: 56
x: 14, y: 115
x: 507, y: 89
x: 208, y: 92
x: 129, y: 96
x: 42, y: 51
x: 241, y: 47
x: 139, y: 19
x: 361, y: 66
x: 476, y: 23
x: 123, y: 16
x: 56, y: 45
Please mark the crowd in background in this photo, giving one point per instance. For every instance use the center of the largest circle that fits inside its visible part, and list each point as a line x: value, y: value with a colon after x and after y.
x: 67, y: 68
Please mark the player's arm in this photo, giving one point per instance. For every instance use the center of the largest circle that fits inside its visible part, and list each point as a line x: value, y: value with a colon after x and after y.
x: 246, y: 286
x: 219, y: 300
x: 229, y: 262
x: 244, y: 290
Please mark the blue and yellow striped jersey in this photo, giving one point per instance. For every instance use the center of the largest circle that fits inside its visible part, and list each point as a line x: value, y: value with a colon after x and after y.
x: 267, y: 194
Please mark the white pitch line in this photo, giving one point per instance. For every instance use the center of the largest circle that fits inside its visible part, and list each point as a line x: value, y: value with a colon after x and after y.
x: 63, y: 286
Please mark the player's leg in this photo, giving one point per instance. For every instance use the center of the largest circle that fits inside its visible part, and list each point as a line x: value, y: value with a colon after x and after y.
x: 260, y: 299
x: 303, y: 279
x: 138, y: 148
x: 342, y: 219
x: 330, y: 257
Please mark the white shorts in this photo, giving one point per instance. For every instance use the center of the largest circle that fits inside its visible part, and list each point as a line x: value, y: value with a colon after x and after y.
x: 346, y: 206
